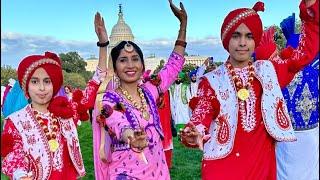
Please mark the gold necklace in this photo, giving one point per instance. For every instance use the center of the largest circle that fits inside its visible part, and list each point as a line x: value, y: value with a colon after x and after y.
x: 52, y: 137
x: 242, y: 90
x: 143, y: 108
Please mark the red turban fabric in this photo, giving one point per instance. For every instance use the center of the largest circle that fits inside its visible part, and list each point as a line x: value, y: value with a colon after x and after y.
x: 49, y: 61
x: 243, y: 15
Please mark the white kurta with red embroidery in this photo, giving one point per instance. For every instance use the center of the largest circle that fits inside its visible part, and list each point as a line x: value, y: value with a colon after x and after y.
x: 242, y: 144
x: 35, y: 149
x: 274, y: 112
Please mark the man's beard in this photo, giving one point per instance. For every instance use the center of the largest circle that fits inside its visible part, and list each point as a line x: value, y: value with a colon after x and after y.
x: 193, y: 80
x: 178, y: 81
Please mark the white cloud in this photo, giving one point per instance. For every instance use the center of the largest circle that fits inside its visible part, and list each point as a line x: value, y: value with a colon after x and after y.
x: 3, y: 46
x: 15, y: 46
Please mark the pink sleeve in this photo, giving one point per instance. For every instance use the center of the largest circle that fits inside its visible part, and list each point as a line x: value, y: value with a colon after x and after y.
x: 307, y: 49
x: 167, y: 75
x: 170, y: 71
x: 117, y: 122
x: 12, y: 150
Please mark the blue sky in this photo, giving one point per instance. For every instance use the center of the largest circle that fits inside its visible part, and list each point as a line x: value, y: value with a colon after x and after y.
x: 33, y: 26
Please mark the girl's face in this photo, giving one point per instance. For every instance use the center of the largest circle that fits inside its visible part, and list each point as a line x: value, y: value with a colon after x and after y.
x: 67, y: 90
x: 40, y: 88
x: 129, y: 67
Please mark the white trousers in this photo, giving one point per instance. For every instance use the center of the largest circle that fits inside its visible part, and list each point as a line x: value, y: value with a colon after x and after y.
x: 299, y: 160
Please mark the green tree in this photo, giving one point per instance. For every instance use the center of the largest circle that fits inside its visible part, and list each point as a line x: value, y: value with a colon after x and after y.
x: 218, y: 63
x: 7, y: 72
x: 188, y: 67
x: 87, y: 75
x: 279, y: 36
x: 297, y: 26
x: 74, y: 79
x: 159, y: 67
x: 280, y: 39
x: 72, y: 62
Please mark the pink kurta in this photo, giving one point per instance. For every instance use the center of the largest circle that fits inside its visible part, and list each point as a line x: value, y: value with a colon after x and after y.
x: 124, y: 162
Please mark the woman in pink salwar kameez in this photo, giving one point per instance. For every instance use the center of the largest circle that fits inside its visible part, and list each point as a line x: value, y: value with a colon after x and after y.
x: 129, y: 112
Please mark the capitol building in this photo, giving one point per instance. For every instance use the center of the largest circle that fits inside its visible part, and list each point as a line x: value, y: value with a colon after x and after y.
x: 122, y: 32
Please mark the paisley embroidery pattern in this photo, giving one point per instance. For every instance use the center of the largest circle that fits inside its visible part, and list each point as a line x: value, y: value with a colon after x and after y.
x: 223, y: 134
x: 281, y: 119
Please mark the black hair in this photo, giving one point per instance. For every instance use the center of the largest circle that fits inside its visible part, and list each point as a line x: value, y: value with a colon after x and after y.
x: 115, y: 52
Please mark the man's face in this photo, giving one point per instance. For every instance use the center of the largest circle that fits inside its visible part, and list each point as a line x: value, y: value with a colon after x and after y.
x: 178, y: 81
x: 194, y: 78
x: 241, y: 46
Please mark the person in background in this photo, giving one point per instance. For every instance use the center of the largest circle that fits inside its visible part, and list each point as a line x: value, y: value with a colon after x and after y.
x: 6, y: 90
x: 165, y: 120
x: 300, y: 159
x: 68, y: 91
x: 179, y: 100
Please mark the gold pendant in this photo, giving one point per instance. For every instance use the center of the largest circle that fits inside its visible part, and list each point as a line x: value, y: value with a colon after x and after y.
x: 53, y: 145
x: 145, y: 115
x: 243, y: 94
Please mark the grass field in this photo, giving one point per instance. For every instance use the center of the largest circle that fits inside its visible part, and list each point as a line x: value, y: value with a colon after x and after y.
x: 186, y: 162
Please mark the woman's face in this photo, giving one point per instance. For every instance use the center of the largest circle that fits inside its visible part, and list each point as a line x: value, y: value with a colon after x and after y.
x: 40, y: 88
x: 67, y: 90
x: 129, y: 67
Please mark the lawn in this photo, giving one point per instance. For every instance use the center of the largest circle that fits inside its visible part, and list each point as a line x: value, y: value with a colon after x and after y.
x: 186, y: 162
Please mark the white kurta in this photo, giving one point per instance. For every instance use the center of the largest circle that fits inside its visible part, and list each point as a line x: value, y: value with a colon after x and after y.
x: 179, y: 110
x: 292, y: 159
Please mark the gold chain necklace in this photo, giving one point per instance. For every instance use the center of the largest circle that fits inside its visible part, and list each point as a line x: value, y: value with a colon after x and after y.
x: 52, y: 137
x: 242, y: 90
x: 143, y: 108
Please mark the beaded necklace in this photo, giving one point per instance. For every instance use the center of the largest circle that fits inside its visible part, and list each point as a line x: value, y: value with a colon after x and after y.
x: 242, y: 90
x: 51, y: 136
x: 143, y: 108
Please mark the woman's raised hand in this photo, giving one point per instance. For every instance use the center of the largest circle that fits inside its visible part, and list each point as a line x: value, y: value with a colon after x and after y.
x: 100, y: 28
x: 181, y: 14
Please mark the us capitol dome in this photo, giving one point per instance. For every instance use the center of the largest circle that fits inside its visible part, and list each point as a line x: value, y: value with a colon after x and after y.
x: 120, y: 31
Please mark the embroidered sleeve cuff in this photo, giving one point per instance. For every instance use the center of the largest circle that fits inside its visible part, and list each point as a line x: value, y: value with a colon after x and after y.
x: 176, y: 56
x: 99, y: 75
x: 18, y: 174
